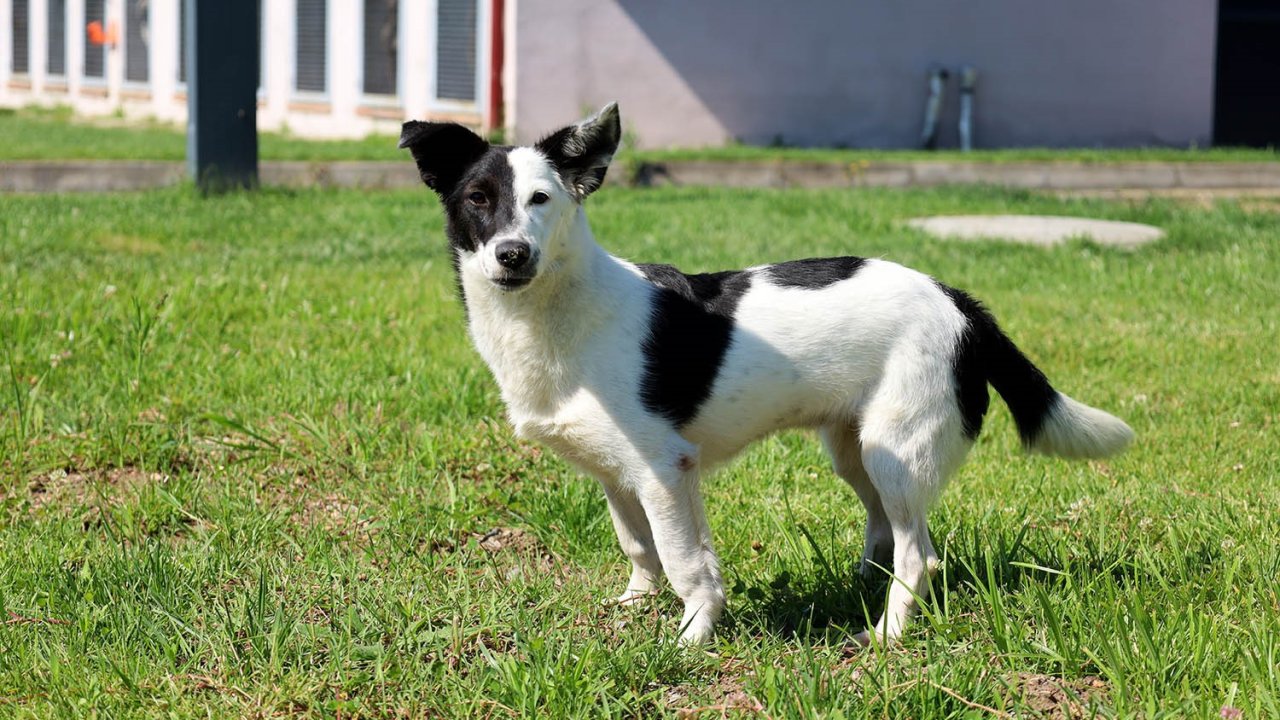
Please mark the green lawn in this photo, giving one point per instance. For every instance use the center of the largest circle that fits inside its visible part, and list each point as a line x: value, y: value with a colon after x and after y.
x: 252, y: 467
x: 54, y: 134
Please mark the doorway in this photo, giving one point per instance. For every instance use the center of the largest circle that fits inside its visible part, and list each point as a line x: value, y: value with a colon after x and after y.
x: 1246, y: 108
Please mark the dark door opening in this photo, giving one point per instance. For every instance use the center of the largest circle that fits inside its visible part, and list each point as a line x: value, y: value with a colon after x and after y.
x: 1246, y: 107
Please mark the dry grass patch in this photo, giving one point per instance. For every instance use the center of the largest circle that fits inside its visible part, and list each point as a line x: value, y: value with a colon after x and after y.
x: 1052, y: 697
x: 69, y: 490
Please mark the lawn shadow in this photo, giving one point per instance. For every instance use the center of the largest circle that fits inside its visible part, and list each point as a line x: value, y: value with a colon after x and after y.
x: 830, y: 598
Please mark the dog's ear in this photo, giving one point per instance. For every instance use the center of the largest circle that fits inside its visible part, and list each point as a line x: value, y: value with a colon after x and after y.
x: 581, y: 153
x: 443, y: 152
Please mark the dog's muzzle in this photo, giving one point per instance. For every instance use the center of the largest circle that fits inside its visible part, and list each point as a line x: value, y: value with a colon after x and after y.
x: 518, y: 262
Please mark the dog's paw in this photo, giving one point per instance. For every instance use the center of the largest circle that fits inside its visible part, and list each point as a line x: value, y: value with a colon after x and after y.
x: 867, y: 638
x: 631, y: 598
x: 697, y: 631
x: 697, y: 637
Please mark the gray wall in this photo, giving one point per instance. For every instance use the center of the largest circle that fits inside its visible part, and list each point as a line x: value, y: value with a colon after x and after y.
x: 853, y: 72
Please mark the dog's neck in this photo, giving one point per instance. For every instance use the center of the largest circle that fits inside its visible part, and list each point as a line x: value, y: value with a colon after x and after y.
x: 532, y: 340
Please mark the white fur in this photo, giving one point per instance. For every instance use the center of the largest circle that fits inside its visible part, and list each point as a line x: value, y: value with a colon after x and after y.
x: 1075, y: 430
x: 867, y: 361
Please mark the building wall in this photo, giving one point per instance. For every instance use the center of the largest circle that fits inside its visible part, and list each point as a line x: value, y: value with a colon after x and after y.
x: 853, y: 72
x: 342, y: 110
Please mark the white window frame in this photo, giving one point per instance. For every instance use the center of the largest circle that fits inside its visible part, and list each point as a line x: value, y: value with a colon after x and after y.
x: 13, y: 73
x: 66, y: 37
x: 126, y: 83
x: 383, y: 100
x: 87, y: 80
x: 310, y: 96
x: 448, y: 105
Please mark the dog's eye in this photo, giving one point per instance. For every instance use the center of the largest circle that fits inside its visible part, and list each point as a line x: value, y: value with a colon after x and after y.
x: 478, y: 198
x: 539, y: 198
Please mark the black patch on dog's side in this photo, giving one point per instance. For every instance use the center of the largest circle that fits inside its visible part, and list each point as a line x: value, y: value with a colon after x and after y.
x: 814, y: 273
x: 690, y: 331
x: 985, y: 354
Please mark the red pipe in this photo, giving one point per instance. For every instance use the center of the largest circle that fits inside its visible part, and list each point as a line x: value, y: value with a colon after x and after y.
x: 497, y: 43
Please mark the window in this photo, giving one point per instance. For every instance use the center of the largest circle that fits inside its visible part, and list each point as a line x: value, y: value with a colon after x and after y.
x: 311, y: 45
x: 456, y: 49
x: 136, y: 64
x: 57, y: 60
x: 94, y: 55
x: 21, y: 38
x: 381, y: 44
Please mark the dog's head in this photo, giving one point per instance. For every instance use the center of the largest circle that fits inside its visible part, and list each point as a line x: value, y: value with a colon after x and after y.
x: 510, y: 210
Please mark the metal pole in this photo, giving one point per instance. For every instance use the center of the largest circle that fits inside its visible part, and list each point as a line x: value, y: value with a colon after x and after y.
x: 222, y: 93
x: 933, y: 108
x: 968, y: 80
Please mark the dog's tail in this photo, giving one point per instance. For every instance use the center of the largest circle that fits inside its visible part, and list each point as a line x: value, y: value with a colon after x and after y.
x: 1048, y: 421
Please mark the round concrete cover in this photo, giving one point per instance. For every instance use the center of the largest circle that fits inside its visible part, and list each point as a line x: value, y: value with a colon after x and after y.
x: 1037, y: 229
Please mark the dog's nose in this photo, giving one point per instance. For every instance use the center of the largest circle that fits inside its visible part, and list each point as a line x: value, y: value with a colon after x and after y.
x: 512, y: 254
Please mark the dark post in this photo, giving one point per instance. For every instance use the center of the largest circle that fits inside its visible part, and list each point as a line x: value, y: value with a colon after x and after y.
x: 222, y: 93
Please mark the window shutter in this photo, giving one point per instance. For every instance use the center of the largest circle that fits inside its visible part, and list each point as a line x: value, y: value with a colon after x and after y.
x: 136, y: 63
x: 57, y: 25
x: 456, y: 50
x: 311, y: 43
x: 21, y: 38
x: 94, y: 55
x: 381, y: 45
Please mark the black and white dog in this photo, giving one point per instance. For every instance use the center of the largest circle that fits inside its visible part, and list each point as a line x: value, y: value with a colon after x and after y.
x: 645, y: 377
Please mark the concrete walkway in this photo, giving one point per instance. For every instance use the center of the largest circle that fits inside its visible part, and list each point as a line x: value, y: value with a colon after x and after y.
x: 1043, y: 230
x: 111, y: 175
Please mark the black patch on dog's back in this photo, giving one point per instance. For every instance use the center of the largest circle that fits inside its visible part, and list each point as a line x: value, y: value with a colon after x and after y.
x: 814, y: 273
x: 985, y: 354
x: 689, y: 333
x: 968, y: 365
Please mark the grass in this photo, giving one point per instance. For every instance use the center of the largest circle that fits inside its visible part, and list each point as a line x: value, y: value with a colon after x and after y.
x: 55, y: 134
x: 251, y: 467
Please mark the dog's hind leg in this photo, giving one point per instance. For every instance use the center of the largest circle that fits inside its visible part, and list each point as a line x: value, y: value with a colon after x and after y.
x: 906, y: 511
x: 845, y: 448
x: 910, y: 445
x: 668, y: 489
x: 636, y: 539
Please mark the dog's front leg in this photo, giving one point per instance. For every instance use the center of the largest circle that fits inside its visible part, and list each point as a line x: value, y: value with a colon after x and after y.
x: 636, y: 539
x: 668, y: 491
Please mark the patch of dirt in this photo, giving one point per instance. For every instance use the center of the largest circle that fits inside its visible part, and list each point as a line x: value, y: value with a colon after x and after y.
x: 1052, y: 697
x: 463, y: 650
x: 736, y: 701
x: 336, y: 514
x: 720, y: 694
x: 509, y: 539
x: 69, y: 489
x: 129, y: 244
x: 519, y: 544
x: 726, y: 691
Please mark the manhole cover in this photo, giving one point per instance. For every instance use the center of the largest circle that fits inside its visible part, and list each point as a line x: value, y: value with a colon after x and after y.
x: 1037, y: 229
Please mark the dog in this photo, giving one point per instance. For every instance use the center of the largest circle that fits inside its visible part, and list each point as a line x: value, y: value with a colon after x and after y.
x: 646, y: 377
